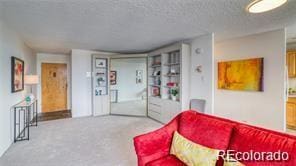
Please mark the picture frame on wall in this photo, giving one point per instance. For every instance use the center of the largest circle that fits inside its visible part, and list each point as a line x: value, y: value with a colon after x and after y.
x: 241, y: 75
x: 113, y: 77
x: 17, y: 74
x: 101, y: 63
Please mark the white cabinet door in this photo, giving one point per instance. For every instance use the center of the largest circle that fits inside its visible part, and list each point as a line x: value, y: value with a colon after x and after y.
x: 100, y: 85
x: 155, y: 108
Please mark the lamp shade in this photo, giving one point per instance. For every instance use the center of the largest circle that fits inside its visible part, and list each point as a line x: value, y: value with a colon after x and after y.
x: 31, y: 79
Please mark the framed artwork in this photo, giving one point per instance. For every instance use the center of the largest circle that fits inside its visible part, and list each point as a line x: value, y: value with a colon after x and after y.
x: 101, y: 63
x: 139, y: 76
x: 113, y: 77
x: 17, y: 74
x: 244, y: 75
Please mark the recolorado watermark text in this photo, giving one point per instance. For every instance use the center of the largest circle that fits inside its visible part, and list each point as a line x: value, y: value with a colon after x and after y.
x: 232, y: 156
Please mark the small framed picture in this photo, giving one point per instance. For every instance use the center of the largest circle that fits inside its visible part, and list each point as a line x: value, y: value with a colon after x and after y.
x: 101, y: 63
x: 17, y: 74
x: 113, y: 77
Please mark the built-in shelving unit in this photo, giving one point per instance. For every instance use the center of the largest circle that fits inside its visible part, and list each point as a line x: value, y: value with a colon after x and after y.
x: 168, y: 74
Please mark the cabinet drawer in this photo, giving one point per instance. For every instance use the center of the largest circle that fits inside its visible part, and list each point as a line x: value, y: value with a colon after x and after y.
x: 154, y: 115
x: 155, y: 108
x: 155, y: 101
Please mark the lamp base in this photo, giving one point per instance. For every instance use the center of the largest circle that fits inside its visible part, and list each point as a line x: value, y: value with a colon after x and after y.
x: 30, y: 97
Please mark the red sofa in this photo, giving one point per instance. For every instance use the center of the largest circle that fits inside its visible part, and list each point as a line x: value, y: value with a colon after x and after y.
x: 153, y: 148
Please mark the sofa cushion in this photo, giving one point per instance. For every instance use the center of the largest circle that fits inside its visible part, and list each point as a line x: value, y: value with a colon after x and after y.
x: 192, y: 153
x: 205, y: 130
x: 169, y: 160
x: 246, y: 138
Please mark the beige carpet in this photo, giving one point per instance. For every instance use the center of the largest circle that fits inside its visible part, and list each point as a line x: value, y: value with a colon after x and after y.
x: 136, y: 108
x: 90, y: 141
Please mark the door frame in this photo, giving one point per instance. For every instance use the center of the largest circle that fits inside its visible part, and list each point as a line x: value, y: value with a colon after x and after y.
x: 39, y: 86
x: 131, y: 56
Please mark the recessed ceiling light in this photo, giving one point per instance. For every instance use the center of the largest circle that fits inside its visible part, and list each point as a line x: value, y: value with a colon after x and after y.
x: 260, y: 6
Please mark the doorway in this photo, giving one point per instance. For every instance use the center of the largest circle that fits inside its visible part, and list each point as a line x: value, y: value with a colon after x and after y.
x: 291, y: 79
x: 128, y: 86
x: 54, y: 87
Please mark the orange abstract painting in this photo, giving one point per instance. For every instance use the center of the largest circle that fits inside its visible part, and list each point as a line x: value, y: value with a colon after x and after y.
x: 245, y: 75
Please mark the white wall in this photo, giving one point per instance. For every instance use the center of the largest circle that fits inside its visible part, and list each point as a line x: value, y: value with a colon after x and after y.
x: 81, y: 61
x: 266, y: 108
x: 53, y: 58
x: 128, y: 89
x: 202, y: 84
x: 11, y: 45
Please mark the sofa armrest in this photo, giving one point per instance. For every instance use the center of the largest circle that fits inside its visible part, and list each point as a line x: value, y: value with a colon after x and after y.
x: 155, y: 144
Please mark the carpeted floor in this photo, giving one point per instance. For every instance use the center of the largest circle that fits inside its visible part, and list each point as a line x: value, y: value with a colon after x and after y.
x: 136, y: 108
x: 89, y: 141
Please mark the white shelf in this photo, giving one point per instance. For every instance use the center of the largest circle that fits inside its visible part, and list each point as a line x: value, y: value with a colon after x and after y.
x: 172, y: 64
x: 155, y: 85
x: 164, y: 61
x: 173, y: 75
x: 155, y: 66
x: 177, y: 87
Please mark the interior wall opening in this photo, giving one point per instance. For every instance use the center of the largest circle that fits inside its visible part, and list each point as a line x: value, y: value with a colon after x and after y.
x: 128, y: 86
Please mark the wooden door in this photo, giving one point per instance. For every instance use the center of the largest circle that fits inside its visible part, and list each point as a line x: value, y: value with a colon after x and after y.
x: 54, y: 87
x: 291, y: 115
x: 291, y: 63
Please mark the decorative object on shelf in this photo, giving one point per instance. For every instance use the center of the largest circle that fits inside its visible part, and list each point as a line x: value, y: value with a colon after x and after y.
x: 156, y: 61
x: 174, y: 94
x: 113, y: 77
x: 156, y: 91
x: 31, y: 80
x: 172, y: 84
x: 98, y: 92
x: 156, y: 73
x: 157, y: 81
x: 172, y: 71
x: 101, y: 63
x: 139, y: 76
x: 17, y: 74
x: 246, y: 75
x: 100, y: 81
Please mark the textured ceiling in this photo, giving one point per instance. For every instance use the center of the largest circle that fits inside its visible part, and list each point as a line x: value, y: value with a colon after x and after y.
x: 134, y: 25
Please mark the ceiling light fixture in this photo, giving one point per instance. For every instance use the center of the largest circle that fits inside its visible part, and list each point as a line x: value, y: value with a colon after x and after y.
x: 260, y: 6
